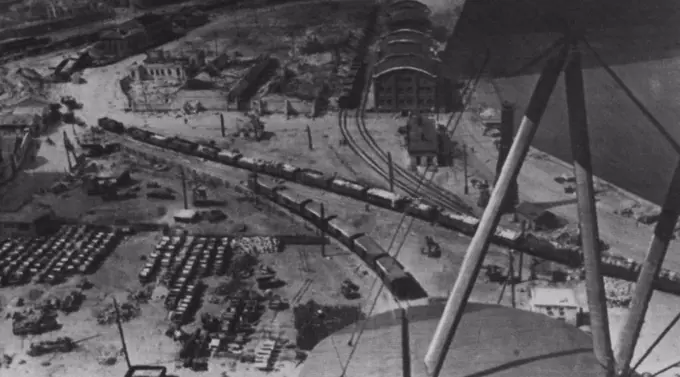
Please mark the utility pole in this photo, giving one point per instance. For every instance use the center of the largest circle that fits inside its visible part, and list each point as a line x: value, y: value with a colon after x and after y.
x: 587, y: 212
x: 309, y: 138
x: 507, y: 134
x: 474, y: 257
x: 323, y: 230
x: 184, y: 187
x: 511, y: 275
x: 465, y: 170
x: 224, y: 131
x: 663, y: 234
x: 122, y: 336
x: 390, y: 167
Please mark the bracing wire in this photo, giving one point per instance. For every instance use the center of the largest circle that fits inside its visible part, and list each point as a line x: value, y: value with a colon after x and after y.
x: 425, y: 180
x: 377, y: 296
x: 389, y: 247
x: 648, y: 114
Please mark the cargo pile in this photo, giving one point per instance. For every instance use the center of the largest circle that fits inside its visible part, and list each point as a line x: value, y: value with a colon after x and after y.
x: 107, y: 315
x: 619, y: 293
x: 256, y: 245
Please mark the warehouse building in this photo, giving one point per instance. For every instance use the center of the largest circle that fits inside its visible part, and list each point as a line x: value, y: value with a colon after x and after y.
x: 422, y: 141
x: 406, y: 82
x: 557, y: 303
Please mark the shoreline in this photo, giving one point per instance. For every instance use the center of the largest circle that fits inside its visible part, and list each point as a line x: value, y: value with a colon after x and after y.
x: 552, y: 158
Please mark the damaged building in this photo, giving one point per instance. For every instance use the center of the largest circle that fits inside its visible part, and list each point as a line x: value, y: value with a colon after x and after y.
x: 161, y: 65
x: 134, y: 36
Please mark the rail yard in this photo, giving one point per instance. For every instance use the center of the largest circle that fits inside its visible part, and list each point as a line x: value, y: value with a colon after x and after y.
x: 231, y: 198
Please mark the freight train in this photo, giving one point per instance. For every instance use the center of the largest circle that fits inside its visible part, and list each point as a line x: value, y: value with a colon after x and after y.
x: 391, y: 272
x: 622, y: 268
x: 378, y: 197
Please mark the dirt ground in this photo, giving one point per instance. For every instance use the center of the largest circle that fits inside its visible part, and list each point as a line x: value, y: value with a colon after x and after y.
x: 119, y: 275
x: 287, y: 142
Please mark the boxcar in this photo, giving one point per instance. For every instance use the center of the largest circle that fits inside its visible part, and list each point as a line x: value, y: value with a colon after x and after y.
x: 281, y: 170
x: 368, y: 249
x: 266, y: 187
x: 138, y: 134
x: 345, y: 187
x: 394, y: 276
x: 314, y: 178
x: 228, y: 157
x: 292, y: 200
x: 386, y: 199
x: 207, y: 152
x: 289, y: 171
x: 157, y: 140
x: 422, y: 211
x: 457, y: 221
x: 248, y: 163
x: 182, y: 146
x: 342, y: 231
x: 508, y: 237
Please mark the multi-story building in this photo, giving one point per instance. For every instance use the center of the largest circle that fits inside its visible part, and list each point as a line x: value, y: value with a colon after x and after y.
x: 558, y: 303
x: 422, y: 141
x: 135, y: 36
x: 405, y: 82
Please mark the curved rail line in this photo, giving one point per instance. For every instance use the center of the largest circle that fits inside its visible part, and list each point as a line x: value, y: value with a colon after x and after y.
x: 403, y: 178
x: 440, y: 195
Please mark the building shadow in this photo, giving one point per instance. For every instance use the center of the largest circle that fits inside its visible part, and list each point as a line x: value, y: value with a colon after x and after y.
x: 38, y: 162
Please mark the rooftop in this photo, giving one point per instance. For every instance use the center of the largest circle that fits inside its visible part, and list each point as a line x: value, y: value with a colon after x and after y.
x: 415, y: 62
x: 422, y: 135
x: 544, y: 296
x: 491, y: 341
x: 406, y: 35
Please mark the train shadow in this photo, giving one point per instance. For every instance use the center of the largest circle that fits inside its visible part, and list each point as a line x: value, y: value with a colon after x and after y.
x: 409, y: 289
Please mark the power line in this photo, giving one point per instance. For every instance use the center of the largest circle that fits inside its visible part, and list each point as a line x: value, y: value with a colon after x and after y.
x: 375, y: 300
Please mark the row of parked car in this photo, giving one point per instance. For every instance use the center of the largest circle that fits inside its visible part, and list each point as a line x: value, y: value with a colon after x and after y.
x: 71, y: 250
x: 209, y: 255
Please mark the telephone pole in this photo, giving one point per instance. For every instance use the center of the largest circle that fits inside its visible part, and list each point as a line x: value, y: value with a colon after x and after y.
x: 465, y: 169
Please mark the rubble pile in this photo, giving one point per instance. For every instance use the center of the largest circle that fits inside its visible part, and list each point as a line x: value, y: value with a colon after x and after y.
x: 34, y: 321
x: 61, y: 344
x: 107, y: 315
x: 619, y: 292
x: 108, y: 355
x: 256, y: 245
x: 570, y: 236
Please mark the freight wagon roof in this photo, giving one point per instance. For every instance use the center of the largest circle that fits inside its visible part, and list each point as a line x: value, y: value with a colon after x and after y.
x: 491, y: 340
x: 384, y: 194
x: 346, y: 183
x: 392, y: 268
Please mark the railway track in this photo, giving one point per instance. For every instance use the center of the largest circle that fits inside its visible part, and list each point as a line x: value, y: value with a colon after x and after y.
x: 404, y: 179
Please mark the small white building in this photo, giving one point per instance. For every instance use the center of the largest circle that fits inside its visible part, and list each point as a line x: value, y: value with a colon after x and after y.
x: 558, y: 303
